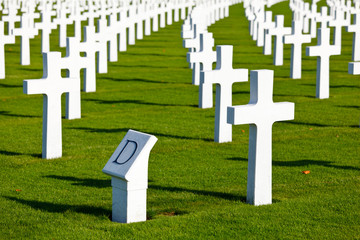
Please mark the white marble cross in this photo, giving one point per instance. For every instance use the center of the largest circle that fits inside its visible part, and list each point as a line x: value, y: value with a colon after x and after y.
x: 62, y: 21
x: 46, y: 26
x: 323, y: 51
x: 312, y: 14
x: 223, y: 76
x: 279, y: 31
x: 268, y: 24
x: 203, y: 59
x: 52, y: 85
x: 26, y: 32
x: 260, y: 113
x: 296, y: 39
x: 323, y: 18
x: 355, y: 29
x: 206, y: 56
x: 4, y: 39
x: 90, y: 47
x: 338, y: 23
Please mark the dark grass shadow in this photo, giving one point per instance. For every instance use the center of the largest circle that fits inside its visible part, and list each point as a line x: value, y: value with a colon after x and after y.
x: 317, y: 124
x: 135, y: 80
x: 352, y: 107
x: 286, y: 95
x: 124, y: 130
x: 302, y: 163
x: 61, y: 208
x: 10, y: 153
x: 345, y: 86
x: 10, y: 85
x: 140, y: 102
x: 87, y: 182
x: 157, y: 55
x: 7, y: 113
x: 226, y: 196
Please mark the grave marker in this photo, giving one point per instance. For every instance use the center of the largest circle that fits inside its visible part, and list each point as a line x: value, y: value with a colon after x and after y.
x: 279, y: 32
x: 223, y: 76
x: 260, y: 113
x: 128, y: 168
x: 52, y: 86
x: 355, y: 29
x: 296, y: 39
x: 4, y: 39
x: 323, y: 51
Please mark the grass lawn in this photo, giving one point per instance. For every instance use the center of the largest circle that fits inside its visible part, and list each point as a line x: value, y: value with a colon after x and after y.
x: 197, y: 188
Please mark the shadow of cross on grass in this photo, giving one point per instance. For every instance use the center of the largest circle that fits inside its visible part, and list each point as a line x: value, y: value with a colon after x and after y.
x: 124, y: 130
x: 61, y: 208
x: 226, y: 196
x: 305, y: 162
x: 7, y: 113
x: 88, y: 182
x: 139, y: 102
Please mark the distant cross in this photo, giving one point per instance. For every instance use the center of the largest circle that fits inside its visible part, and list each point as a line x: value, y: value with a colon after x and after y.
x: 122, y: 26
x: 62, y: 20
x: 306, y: 16
x: 206, y: 57
x: 74, y: 62
x: 4, y: 39
x: 296, y: 39
x: 11, y: 18
x: 279, y: 31
x: 268, y: 24
x: 338, y: 22
x: 90, y: 47
x: 52, y: 85
x: 46, y: 26
x: 312, y: 14
x: 203, y: 58
x: 323, y: 18
x: 223, y: 76
x: 323, y: 51
x: 260, y: 113
x: 261, y: 28
x: 355, y: 29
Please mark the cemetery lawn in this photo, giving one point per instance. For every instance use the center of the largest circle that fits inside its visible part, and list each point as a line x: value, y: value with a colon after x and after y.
x: 197, y: 188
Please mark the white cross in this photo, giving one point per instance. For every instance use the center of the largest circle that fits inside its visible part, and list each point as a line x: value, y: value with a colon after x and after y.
x: 46, y: 26
x: 268, y: 24
x: 279, y: 31
x: 296, y: 39
x: 62, y: 20
x: 203, y: 59
x: 4, y: 39
x: 223, y: 76
x: 312, y: 14
x: 90, y: 47
x: 323, y: 51
x: 260, y: 113
x: 52, y: 85
x: 206, y: 56
x: 355, y: 29
x: 323, y: 18
x: 26, y: 32
x: 12, y: 17
x: 338, y: 23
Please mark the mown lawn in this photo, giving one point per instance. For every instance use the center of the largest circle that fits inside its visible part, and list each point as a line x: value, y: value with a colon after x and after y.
x: 197, y: 188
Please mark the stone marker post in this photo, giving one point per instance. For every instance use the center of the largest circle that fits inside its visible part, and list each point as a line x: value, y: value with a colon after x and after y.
x: 128, y: 168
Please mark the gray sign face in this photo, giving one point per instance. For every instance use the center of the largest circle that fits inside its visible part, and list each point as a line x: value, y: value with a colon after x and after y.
x: 128, y: 153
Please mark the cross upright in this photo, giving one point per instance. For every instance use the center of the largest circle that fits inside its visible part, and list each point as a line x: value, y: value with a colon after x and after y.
x: 354, y: 68
x: 355, y: 29
x: 223, y: 76
x: 90, y: 47
x: 26, y: 32
x: 261, y: 113
x: 74, y: 62
x: 323, y: 51
x: 206, y: 57
x: 296, y: 39
x: 323, y: 18
x: 338, y: 22
x: 4, y: 39
x: 268, y: 24
x: 46, y: 26
x: 279, y: 31
x: 52, y: 86
x: 264, y: 24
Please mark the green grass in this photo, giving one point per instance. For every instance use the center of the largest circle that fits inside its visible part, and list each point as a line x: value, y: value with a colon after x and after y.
x: 197, y: 188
